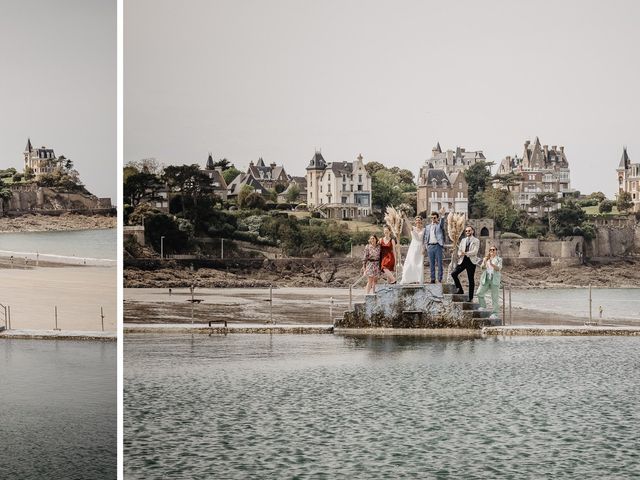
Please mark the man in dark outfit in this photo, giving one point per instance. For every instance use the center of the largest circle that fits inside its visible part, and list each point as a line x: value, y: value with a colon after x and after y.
x: 467, y: 260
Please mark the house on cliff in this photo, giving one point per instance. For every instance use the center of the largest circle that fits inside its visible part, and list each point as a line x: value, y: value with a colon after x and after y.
x: 629, y: 179
x: 261, y: 178
x: 340, y: 190
x: 541, y: 170
x: 41, y: 160
x: 441, y: 181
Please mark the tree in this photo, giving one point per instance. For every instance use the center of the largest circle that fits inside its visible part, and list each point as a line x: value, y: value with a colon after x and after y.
x: 148, y: 165
x: 29, y: 174
x: 406, y: 179
x: 254, y: 200
x: 161, y: 225
x: 564, y: 220
x: 292, y: 193
x: 244, y: 192
x: 598, y: 196
x: 385, y: 189
x: 223, y: 163
x: 373, y: 167
x: 139, y: 186
x: 625, y: 202
x: 545, y: 201
x: 605, y: 206
x: 230, y: 174
x: 478, y: 177
x: 5, y: 194
x: 498, y: 204
x: 508, y: 180
x: 189, y: 180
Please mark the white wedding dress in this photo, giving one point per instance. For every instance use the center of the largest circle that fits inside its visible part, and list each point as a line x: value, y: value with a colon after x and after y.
x: 413, y: 268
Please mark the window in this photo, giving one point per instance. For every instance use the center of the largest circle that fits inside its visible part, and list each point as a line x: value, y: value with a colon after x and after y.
x: 344, y: 187
x: 344, y: 199
x: 359, y: 178
x: 320, y: 188
x: 328, y: 177
x: 329, y: 188
x: 352, y: 188
x: 359, y: 188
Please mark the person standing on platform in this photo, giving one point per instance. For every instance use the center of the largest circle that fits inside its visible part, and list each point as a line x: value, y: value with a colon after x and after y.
x: 467, y: 260
x: 371, y: 264
x: 387, y: 249
x: 434, y: 244
x: 490, y: 280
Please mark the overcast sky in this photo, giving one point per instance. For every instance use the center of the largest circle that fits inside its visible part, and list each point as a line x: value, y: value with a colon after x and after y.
x: 278, y: 79
x: 58, y: 85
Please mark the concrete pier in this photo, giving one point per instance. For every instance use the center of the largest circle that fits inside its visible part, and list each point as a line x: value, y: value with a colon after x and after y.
x: 416, y: 306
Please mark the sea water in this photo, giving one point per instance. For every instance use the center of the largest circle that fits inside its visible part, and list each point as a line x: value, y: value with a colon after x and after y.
x: 328, y: 406
x: 58, y: 409
x: 99, y: 243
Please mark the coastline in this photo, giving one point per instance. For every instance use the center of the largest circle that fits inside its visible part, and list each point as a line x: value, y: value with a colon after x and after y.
x: 64, y: 222
x: 341, y: 273
x: 320, y: 306
x: 75, y: 293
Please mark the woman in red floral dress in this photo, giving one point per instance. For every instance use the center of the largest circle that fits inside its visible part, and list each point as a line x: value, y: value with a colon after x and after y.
x: 388, y: 258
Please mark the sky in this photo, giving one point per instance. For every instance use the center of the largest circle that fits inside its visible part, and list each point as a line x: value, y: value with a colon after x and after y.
x: 279, y: 79
x: 58, y: 85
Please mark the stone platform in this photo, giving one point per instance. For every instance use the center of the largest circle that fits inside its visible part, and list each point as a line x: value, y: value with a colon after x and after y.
x: 416, y: 306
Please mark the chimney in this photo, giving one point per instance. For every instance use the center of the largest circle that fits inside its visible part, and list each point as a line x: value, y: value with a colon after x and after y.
x: 555, y: 147
x: 527, y: 143
x: 273, y: 165
x: 561, y: 148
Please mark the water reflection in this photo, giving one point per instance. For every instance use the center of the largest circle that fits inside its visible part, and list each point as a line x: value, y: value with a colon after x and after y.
x: 287, y: 406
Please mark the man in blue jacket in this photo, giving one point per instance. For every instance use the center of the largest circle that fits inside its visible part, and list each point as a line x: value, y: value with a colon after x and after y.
x: 434, y: 243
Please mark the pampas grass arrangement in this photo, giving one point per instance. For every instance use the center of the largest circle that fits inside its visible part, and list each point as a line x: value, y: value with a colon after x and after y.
x: 456, y: 223
x: 394, y: 218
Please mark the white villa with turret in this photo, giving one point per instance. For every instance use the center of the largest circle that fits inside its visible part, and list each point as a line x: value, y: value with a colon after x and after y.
x: 340, y: 190
x: 41, y: 160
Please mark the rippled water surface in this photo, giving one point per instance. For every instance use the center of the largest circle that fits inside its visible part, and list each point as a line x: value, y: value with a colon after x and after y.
x: 57, y: 410
x: 286, y: 406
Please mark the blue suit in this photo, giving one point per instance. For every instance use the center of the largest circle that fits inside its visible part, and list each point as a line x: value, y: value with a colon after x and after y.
x: 435, y: 247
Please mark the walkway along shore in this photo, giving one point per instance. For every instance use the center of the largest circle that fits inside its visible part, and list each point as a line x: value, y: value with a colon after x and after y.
x: 522, y: 330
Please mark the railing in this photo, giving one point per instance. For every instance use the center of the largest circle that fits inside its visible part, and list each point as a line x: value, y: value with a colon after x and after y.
x: 351, y: 287
x: 5, y: 310
x: 506, y: 294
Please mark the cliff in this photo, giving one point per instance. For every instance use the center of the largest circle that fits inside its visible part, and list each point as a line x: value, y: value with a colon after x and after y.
x: 33, y: 199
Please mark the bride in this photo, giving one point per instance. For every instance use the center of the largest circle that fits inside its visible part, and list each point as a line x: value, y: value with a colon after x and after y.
x: 413, y: 268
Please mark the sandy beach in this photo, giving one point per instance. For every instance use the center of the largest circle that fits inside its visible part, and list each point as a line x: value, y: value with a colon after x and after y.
x: 290, y: 306
x: 78, y: 292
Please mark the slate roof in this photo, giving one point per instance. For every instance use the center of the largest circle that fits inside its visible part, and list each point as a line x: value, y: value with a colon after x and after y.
x: 317, y: 162
x: 625, y: 161
x: 437, y: 175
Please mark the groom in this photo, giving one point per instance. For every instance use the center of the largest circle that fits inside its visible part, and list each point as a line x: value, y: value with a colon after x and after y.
x: 434, y: 243
x: 467, y: 260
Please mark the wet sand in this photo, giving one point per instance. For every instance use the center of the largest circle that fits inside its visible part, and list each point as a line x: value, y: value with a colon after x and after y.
x: 290, y: 306
x: 78, y: 292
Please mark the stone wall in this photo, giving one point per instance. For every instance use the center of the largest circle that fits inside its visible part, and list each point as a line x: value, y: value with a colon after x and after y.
x: 31, y: 198
x: 613, y: 241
